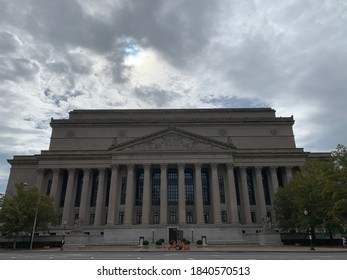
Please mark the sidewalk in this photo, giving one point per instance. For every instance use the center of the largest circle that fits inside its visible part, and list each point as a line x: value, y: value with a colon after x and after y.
x: 211, y: 248
x: 205, y: 248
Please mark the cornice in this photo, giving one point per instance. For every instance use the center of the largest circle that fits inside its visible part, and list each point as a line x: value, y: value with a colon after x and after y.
x: 168, y: 116
x: 169, y: 121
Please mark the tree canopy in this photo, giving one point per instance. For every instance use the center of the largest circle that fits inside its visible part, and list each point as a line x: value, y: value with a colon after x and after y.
x: 2, y: 197
x: 18, y: 212
x: 316, y: 196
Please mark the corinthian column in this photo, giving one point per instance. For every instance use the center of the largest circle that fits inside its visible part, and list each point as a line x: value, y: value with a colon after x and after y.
x: 163, y: 194
x: 54, y: 189
x: 129, y: 197
x: 215, y: 195
x: 100, y: 197
x: 39, y: 179
x: 69, y: 196
x: 274, y: 182
x: 245, y: 197
x: 113, y: 199
x: 146, y: 201
x: 260, y: 193
x: 181, y: 195
x: 199, y: 207
x: 232, y: 200
x: 84, y: 196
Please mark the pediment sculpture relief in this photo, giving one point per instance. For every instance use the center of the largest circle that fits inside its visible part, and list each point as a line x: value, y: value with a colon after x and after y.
x: 173, y: 142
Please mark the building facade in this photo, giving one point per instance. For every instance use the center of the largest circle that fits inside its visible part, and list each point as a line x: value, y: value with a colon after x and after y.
x: 122, y: 175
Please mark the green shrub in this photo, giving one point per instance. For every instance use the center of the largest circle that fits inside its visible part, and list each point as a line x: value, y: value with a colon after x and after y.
x: 186, y: 242
x: 158, y: 242
x: 199, y: 242
x: 145, y: 242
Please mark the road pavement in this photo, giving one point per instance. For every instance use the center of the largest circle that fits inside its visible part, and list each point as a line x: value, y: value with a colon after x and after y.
x: 153, y: 253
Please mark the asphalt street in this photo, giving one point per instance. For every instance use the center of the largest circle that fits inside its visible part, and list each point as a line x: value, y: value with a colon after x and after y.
x: 173, y: 255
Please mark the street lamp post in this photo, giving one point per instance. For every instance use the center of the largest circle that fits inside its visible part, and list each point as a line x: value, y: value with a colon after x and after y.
x: 309, y: 232
x: 63, y: 239
x: 152, y: 235
x: 35, y: 221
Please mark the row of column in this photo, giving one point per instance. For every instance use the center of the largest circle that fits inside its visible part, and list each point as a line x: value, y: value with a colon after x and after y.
x: 113, y: 205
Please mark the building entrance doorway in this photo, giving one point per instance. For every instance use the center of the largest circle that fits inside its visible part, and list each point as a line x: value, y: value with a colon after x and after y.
x: 175, y: 234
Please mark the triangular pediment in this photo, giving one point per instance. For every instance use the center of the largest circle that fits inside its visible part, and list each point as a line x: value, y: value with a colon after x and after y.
x: 172, y: 139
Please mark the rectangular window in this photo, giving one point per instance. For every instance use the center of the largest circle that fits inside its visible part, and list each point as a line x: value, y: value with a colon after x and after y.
x: 108, y: 187
x: 138, y: 218
x: 121, y: 218
x: 205, y: 180
x: 207, y: 217
x: 269, y: 215
x: 123, y: 189
x: 95, y: 183
x: 79, y: 188
x: 76, y: 217
x: 172, y: 187
x: 49, y: 186
x: 156, y: 218
x: 172, y: 217
x: 221, y: 189
x: 224, y: 216
x: 60, y: 219
x: 156, y: 187
x: 63, y: 188
x: 250, y: 186
x: 139, y: 187
x: 280, y: 176
x: 253, y: 217
x: 237, y: 187
x: 266, y: 186
x: 91, y: 219
x: 189, y: 186
x: 189, y: 217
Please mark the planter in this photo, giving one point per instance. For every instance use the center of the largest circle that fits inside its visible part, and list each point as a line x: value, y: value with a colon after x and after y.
x: 145, y: 244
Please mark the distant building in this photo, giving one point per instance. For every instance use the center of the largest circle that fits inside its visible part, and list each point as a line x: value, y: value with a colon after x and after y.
x: 169, y: 173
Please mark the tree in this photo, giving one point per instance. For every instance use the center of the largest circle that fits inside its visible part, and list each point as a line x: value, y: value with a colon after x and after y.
x: 19, y: 210
x: 340, y: 196
x: 2, y: 197
x: 318, y: 190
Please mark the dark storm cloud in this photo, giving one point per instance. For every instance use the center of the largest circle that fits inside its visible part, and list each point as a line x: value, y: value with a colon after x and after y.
x: 58, y: 67
x: 116, y: 59
x: 79, y: 63
x: 73, y: 64
x: 8, y: 43
x: 154, y: 97
x: 251, y: 66
x: 235, y: 102
x: 63, y: 23
x: 59, y: 98
x: 17, y: 69
x: 177, y: 29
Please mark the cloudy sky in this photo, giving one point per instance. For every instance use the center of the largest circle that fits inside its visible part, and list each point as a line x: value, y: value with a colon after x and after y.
x: 56, y: 56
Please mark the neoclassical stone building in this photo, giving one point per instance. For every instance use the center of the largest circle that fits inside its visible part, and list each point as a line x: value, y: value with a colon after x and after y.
x: 166, y: 173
